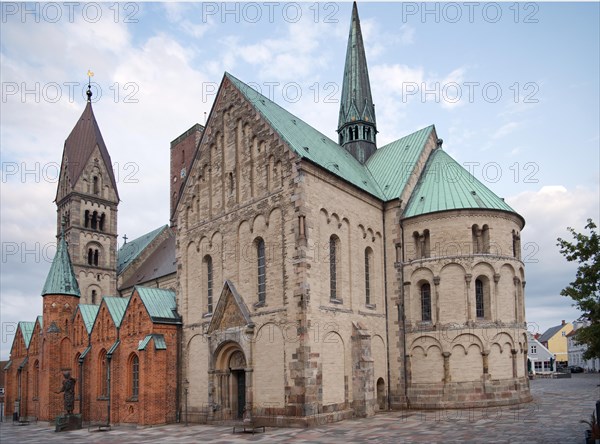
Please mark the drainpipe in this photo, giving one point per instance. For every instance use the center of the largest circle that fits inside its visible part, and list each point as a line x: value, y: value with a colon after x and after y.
x: 385, y: 294
x: 179, y: 357
x: 109, y: 360
x: 19, y: 393
x: 81, y: 388
x: 402, y: 315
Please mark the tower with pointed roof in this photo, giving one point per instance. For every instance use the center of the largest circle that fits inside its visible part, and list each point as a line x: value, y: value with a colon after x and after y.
x: 87, y: 199
x: 60, y: 298
x: 357, y: 128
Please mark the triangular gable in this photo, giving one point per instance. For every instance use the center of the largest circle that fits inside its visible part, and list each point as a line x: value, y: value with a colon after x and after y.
x: 307, y: 142
x: 88, y: 313
x: 115, y: 307
x: 27, y: 331
x: 231, y: 310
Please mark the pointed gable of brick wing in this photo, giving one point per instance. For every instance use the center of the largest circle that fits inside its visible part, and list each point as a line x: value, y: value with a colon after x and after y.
x: 80, y: 145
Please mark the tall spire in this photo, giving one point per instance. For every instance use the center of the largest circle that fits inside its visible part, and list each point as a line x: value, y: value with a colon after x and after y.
x: 356, y: 126
x: 61, y: 277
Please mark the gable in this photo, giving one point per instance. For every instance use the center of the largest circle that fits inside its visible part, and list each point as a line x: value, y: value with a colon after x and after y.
x: 231, y: 310
x: 160, y: 304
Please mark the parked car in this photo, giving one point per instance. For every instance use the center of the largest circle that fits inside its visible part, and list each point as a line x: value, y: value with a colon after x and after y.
x: 575, y: 369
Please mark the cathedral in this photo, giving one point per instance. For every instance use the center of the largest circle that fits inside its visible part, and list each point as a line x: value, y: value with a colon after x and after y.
x: 300, y: 280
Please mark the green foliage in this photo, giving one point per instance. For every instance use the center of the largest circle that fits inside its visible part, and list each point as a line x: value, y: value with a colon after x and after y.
x: 585, y: 289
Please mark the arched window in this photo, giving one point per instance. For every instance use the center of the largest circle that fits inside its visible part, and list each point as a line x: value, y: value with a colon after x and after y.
x: 102, y: 374
x: 262, y: 270
x: 96, y: 257
x: 90, y: 256
x: 334, y: 244
x: 426, y: 302
x: 96, y: 186
x: 134, y: 376
x: 368, y: 263
x: 482, y: 298
x: 101, y: 222
x: 86, y: 220
x: 94, y: 220
x: 94, y: 297
x: 208, y: 278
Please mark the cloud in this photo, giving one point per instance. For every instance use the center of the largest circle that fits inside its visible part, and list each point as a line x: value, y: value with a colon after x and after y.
x: 505, y: 130
x: 548, y: 212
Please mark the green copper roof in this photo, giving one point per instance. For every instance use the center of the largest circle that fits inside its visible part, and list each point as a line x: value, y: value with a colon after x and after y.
x: 27, y: 331
x: 116, y: 308
x: 113, y: 348
x: 307, y: 142
x: 446, y: 185
x: 159, y: 342
x: 84, y: 353
x: 61, y: 278
x: 356, y: 103
x: 159, y: 303
x: 40, y: 320
x: 88, y: 314
x: 8, y: 365
x: 129, y: 251
x: 392, y: 164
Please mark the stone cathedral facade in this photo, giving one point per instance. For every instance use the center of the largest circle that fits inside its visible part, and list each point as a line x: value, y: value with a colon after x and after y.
x: 302, y: 280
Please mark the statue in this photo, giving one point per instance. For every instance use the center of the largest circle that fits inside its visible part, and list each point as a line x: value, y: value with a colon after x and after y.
x: 69, y: 390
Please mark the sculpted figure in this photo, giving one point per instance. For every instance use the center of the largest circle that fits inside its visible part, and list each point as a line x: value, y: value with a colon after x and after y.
x: 68, y: 388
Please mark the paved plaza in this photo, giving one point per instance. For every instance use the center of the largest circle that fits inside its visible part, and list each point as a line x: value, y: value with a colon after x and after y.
x: 553, y: 417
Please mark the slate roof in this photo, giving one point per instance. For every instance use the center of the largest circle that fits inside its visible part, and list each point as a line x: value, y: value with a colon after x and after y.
x: 446, y: 185
x: 80, y: 145
x: 61, y: 277
x: 132, y: 249
x: 550, y: 332
x: 27, y: 331
x: 88, y: 314
x: 160, y: 262
x: 160, y: 304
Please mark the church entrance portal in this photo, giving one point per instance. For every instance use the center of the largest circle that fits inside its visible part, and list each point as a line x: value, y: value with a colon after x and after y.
x: 231, y: 383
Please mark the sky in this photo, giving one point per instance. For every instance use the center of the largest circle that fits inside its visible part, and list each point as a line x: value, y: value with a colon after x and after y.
x: 512, y: 89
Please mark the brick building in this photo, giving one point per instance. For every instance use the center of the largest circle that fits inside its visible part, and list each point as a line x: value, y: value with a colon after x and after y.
x: 301, y: 279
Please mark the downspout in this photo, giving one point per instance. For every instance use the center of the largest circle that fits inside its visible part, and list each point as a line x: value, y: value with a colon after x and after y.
x: 402, y: 314
x: 179, y: 377
x: 81, y: 388
x: 19, y: 392
x: 109, y: 360
x: 385, y: 294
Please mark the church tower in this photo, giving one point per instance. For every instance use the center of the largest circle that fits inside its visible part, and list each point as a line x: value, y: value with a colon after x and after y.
x: 356, y: 125
x: 87, y: 199
x: 61, y: 297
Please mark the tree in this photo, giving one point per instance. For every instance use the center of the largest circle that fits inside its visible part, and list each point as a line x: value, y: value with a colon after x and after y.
x: 585, y: 289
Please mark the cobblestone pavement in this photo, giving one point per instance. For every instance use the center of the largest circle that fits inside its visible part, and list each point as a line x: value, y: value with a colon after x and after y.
x: 553, y: 417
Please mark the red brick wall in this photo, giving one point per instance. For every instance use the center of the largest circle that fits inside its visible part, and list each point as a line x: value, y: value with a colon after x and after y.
x: 182, y: 153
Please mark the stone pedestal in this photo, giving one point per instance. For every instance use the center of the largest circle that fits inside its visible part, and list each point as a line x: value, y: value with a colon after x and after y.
x: 65, y: 423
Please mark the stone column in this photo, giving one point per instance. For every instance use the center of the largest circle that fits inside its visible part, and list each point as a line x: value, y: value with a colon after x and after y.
x: 436, y: 283
x: 486, y: 363
x: 513, y: 355
x: 468, y: 278
x: 494, y: 313
x: 447, y: 376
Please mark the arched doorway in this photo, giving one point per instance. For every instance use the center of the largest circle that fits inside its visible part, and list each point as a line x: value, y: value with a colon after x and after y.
x: 231, y: 382
x: 381, y: 394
